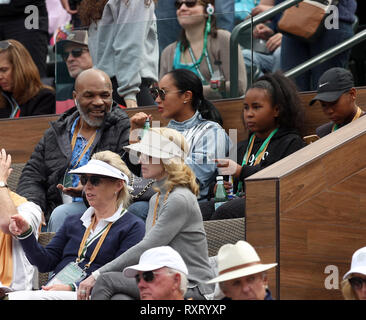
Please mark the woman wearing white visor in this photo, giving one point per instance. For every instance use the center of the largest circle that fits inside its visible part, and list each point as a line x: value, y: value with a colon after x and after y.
x: 174, y: 219
x: 87, y: 241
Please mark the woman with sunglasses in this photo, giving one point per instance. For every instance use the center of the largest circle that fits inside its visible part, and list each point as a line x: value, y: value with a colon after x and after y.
x: 180, y: 99
x: 21, y: 91
x: 354, y: 281
x: 202, y: 49
x: 174, y: 220
x: 86, y: 241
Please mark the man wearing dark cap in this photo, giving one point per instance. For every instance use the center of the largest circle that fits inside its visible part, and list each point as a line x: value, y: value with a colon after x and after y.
x: 337, y: 96
x: 74, y: 51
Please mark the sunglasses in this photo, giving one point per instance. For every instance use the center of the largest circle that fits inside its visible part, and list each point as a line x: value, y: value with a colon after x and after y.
x: 76, y: 53
x: 157, y: 92
x: 189, y: 3
x: 148, y: 276
x: 94, y: 180
x: 357, y: 282
x: 5, y: 44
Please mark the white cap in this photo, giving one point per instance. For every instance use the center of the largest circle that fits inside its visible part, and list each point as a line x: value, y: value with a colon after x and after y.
x: 101, y: 168
x: 157, y: 258
x: 358, y: 264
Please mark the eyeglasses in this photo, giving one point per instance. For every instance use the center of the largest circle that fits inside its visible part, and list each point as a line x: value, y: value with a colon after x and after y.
x: 5, y: 44
x: 148, y: 276
x: 189, y: 3
x: 76, y: 53
x: 94, y: 180
x: 157, y: 92
x: 357, y: 282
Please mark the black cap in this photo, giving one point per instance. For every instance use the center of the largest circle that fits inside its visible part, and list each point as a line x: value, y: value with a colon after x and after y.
x: 332, y: 84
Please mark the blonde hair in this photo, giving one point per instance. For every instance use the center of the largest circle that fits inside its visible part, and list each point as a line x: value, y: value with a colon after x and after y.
x: 347, y: 291
x: 115, y: 160
x: 26, y: 79
x: 178, y: 173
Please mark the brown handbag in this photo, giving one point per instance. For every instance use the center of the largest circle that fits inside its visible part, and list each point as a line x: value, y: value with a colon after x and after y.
x: 305, y: 20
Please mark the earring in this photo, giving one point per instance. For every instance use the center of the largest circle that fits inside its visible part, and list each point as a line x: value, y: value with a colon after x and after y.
x: 184, y: 102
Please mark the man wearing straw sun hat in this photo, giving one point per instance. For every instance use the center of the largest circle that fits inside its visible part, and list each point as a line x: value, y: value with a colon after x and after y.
x: 242, y: 275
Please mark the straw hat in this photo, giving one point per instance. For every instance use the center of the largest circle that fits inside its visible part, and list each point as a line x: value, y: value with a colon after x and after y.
x: 238, y: 260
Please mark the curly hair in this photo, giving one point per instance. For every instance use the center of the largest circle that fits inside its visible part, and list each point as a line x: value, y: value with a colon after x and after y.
x: 283, y: 94
x: 178, y: 173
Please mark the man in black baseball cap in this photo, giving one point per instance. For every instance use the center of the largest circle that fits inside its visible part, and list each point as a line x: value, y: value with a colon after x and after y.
x: 337, y: 96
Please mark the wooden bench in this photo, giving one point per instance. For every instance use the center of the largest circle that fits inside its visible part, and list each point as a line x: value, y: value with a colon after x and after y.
x: 307, y: 212
x: 19, y: 136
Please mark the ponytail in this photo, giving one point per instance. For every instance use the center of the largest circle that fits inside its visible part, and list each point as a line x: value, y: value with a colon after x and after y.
x: 209, y: 112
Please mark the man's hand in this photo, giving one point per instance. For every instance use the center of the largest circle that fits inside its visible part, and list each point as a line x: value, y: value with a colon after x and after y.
x: 260, y: 8
x: 71, y: 191
x: 137, y: 122
x: 261, y: 31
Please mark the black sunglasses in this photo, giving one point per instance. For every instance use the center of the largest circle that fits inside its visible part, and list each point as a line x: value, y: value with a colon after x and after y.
x: 76, y: 53
x: 189, y: 3
x: 157, y: 92
x: 94, y: 180
x: 5, y: 44
x: 357, y: 282
x: 148, y: 276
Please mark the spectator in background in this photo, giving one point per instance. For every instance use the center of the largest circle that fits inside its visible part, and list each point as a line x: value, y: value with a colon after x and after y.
x: 74, y: 51
x: 203, y: 49
x: 57, y: 16
x: 242, y: 275
x: 27, y: 22
x: 22, y: 92
x: 337, y: 96
x: 123, y: 43
x: 354, y: 281
x: 16, y: 273
x: 169, y: 28
x: 160, y: 275
x: 93, y: 125
x: 72, y: 7
x: 88, y: 240
x: 295, y: 51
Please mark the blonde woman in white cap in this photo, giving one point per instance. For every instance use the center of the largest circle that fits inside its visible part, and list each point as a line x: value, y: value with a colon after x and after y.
x: 86, y: 241
x: 161, y: 274
x: 174, y: 219
x: 354, y: 281
x: 242, y: 275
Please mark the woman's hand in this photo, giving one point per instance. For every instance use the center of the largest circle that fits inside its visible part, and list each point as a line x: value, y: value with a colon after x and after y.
x: 228, y: 167
x: 57, y: 287
x: 85, y: 288
x: 261, y: 31
x: 227, y: 185
x: 18, y: 225
x: 274, y: 42
x: 5, y: 163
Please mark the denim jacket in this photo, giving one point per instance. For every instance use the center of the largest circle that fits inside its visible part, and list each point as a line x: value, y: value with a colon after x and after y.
x: 207, y: 140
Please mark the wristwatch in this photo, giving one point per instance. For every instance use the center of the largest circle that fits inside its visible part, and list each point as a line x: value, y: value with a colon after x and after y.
x: 3, y: 184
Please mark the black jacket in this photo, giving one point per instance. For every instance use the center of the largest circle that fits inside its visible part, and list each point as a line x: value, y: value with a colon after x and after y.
x: 51, y: 157
x: 16, y: 8
x: 42, y: 103
x: 283, y: 143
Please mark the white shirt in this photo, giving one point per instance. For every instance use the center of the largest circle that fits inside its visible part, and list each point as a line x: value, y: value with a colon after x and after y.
x: 23, y: 271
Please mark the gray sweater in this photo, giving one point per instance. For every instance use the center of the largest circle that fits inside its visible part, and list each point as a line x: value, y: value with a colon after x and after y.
x: 179, y: 225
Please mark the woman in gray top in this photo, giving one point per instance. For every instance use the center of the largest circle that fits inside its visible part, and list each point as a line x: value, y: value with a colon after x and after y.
x: 174, y: 219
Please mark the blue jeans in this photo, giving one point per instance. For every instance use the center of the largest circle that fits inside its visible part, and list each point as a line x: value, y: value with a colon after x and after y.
x: 265, y: 62
x: 295, y: 52
x: 139, y: 209
x: 60, y: 213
